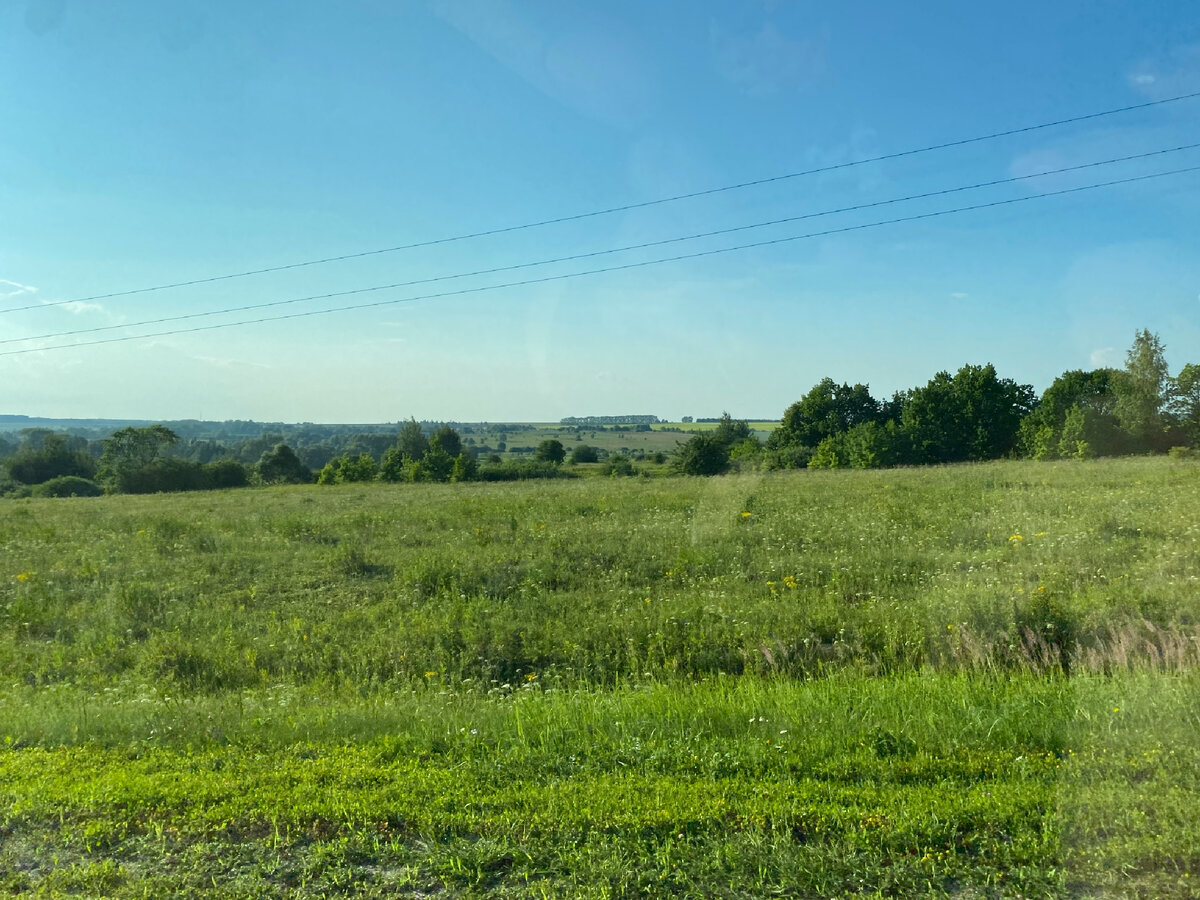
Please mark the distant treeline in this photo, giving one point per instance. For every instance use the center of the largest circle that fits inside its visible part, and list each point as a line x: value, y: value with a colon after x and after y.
x: 973, y: 414
x: 153, y: 459
x: 610, y: 420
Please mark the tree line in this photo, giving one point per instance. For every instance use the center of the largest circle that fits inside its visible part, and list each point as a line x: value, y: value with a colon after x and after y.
x: 971, y: 415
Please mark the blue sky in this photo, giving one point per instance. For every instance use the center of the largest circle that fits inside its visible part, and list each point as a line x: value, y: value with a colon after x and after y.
x: 147, y: 143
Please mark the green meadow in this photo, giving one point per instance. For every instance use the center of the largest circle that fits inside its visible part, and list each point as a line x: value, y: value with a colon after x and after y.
x: 967, y: 681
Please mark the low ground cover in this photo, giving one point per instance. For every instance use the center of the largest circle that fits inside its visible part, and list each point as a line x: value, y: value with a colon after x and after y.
x: 970, y: 681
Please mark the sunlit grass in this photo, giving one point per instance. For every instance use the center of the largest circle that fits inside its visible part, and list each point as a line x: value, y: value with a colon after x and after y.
x: 972, y: 681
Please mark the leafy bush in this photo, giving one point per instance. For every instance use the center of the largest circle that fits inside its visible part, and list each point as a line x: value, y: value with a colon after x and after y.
x: 829, y: 454
x: 619, y: 465
x: 551, y: 451
x: 54, y: 458
x: 226, y: 473
x: 704, y: 454
x: 67, y: 486
x: 280, y: 465
x: 346, y: 469
x: 584, y: 454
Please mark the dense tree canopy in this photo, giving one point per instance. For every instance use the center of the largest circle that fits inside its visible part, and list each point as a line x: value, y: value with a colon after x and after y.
x: 551, y: 451
x: 828, y: 409
x: 51, y: 455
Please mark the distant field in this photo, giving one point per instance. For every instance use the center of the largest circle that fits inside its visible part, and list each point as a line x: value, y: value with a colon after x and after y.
x: 664, y: 437
x: 972, y: 681
x: 764, y: 427
x: 604, y: 438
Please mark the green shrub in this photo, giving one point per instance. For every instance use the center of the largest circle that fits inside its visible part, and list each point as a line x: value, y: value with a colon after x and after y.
x: 67, y: 486
x: 584, y: 454
x: 704, y: 454
x: 619, y: 465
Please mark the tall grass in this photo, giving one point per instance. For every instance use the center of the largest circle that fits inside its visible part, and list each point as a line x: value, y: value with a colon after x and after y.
x: 1002, y: 566
x: 972, y: 681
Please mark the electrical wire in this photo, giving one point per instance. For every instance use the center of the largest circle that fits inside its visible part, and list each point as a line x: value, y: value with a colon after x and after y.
x: 622, y: 208
x: 606, y: 269
x: 606, y: 252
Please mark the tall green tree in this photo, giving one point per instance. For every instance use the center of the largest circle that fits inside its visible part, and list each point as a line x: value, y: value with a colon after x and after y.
x: 827, y: 410
x: 281, y: 465
x: 1086, y: 398
x: 731, y: 431
x: 130, y: 450
x: 1142, y: 392
x: 550, y: 450
x: 412, y: 441
x: 703, y: 454
x: 448, y: 440
x: 1185, y: 402
x: 971, y: 415
x: 51, y: 455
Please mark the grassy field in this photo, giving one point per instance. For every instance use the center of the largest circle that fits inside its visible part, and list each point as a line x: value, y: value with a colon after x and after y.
x: 976, y: 681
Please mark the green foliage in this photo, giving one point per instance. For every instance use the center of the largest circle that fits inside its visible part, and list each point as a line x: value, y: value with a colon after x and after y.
x: 1185, y: 402
x: 582, y: 453
x: 828, y: 454
x: 1142, y: 392
x: 1074, y: 443
x: 870, y: 445
x: 731, y: 432
x: 550, y: 450
x: 67, y: 486
x: 464, y: 469
x: 788, y: 456
x: 396, y: 465
x: 619, y: 465
x: 1077, y: 407
x: 280, y: 465
x: 50, y: 455
x: 131, y: 450
x: 447, y: 440
x: 520, y: 470
x: 703, y: 454
x: 172, y: 474
x: 747, y: 450
x: 411, y: 440
x: 825, y: 411
x: 347, y: 470
x: 436, y: 465
x: 972, y: 415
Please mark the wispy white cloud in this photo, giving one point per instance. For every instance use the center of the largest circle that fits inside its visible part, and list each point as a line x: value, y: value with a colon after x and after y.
x: 1105, y: 356
x: 14, y: 289
x: 959, y: 295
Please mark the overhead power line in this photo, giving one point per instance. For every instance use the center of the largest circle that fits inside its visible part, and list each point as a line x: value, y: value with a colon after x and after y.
x: 622, y: 208
x: 617, y: 268
x: 606, y: 252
